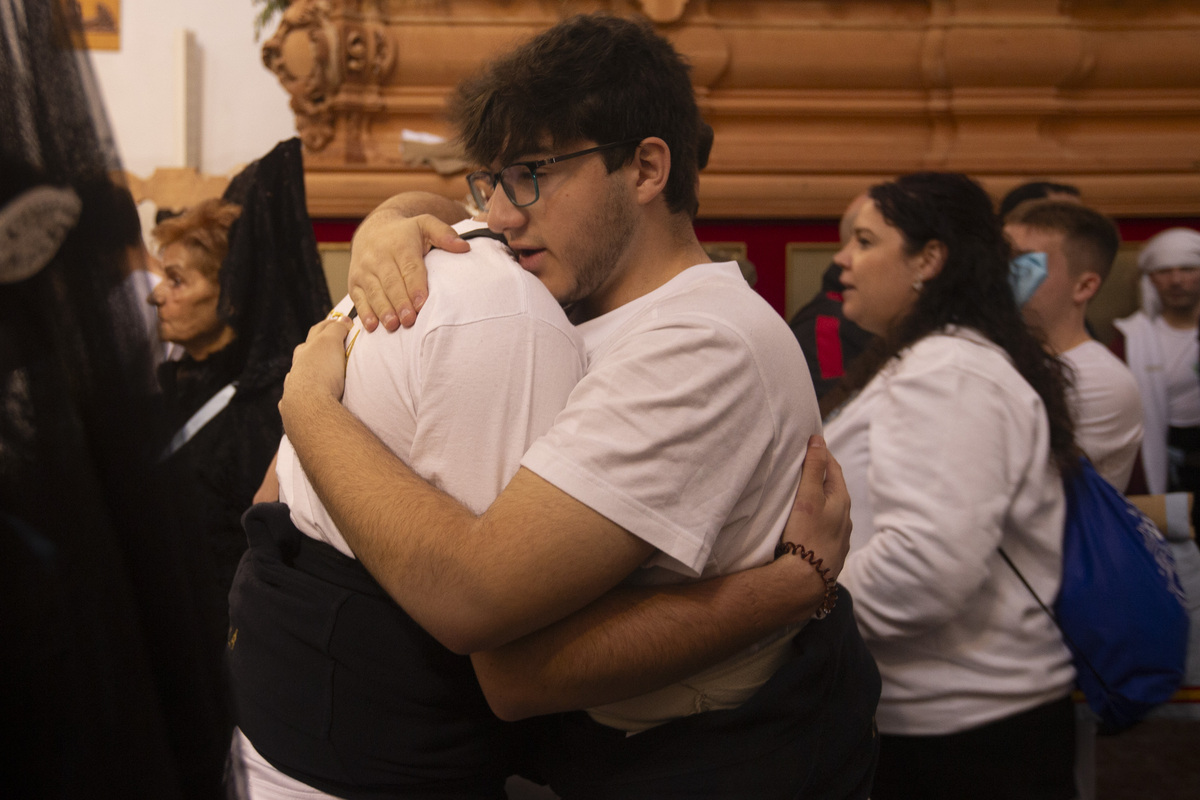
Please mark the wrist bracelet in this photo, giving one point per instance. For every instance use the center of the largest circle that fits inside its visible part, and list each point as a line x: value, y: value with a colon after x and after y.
x: 811, y: 557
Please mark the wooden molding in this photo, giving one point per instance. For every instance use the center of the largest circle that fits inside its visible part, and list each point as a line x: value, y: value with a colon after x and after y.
x: 175, y: 187
x: 811, y: 100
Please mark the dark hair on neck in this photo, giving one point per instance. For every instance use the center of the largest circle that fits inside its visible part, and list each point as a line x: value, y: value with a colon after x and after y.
x: 970, y: 291
x: 591, y: 78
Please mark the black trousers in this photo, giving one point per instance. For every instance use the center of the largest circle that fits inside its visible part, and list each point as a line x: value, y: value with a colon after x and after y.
x: 1028, y: 756
x: 337, y: 687
x: 1183, y: 474
x: 808, y: 733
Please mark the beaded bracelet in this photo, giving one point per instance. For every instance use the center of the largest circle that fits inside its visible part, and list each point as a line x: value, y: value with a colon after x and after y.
x: 811, y: 557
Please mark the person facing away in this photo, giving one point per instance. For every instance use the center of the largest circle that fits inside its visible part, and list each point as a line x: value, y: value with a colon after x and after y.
x: 589, y: 133
x: 1079, y: 245
x: 953, y: 435
x: 1159, y: 344
x: 830, y: 342
x: 459, y: 396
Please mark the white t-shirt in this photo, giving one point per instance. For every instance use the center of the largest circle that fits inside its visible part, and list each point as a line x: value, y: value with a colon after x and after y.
x: 1180, y: 354
x: 1107, y: 410
x: 690, y: 426
x: 461, y: 394
x: 946, y: 453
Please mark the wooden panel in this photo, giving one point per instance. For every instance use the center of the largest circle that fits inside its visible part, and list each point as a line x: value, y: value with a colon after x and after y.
x: 811, y: 100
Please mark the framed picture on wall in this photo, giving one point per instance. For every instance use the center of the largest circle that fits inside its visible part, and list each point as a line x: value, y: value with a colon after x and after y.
x: 97, y: 23
x: 806, y: 263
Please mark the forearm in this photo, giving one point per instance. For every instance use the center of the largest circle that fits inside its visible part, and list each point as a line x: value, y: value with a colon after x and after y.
x: 474, y: 583
x: 635, y: 640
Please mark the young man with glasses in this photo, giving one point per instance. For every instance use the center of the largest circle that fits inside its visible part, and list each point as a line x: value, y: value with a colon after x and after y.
x: 675, y: 459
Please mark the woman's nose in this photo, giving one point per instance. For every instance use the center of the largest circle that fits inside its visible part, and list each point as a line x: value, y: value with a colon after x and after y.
x: 842, y: 257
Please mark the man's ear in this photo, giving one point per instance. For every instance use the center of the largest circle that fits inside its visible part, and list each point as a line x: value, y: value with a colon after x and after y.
x: 931, y: 259
x: 653, y: 162
x: 1086, y: 286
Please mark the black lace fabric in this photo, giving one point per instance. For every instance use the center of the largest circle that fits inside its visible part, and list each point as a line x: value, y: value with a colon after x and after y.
x: 273, y: 290
x: 107, y: 687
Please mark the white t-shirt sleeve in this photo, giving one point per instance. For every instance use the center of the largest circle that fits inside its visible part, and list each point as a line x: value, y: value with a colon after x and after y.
x: 1107, y: 410
x: 946, y: 449
x: 663, y: 435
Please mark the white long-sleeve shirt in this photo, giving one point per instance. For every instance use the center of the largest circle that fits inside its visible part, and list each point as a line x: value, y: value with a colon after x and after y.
x: 946, y: 453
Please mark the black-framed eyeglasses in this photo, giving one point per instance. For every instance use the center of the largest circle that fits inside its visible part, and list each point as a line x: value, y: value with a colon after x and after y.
x: 520, y: 180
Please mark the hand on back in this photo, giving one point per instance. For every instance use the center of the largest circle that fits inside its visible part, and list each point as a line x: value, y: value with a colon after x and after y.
x: 387, y: 278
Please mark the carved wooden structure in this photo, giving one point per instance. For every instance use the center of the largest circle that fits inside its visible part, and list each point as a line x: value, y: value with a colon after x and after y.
x: 810, y: 99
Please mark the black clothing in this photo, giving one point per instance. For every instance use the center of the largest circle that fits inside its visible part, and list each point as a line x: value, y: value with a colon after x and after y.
x: 808, y: 733
x: 830, y: 341
x: 1183, y: 465
x: 108, y: 690
x: 217, y: 472
x: 273, y: 290
x: 339, y: 688
x: 1028, y: 756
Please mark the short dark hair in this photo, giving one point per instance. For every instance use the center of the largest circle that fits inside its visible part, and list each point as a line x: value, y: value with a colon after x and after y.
x: 593, y: 77
x: 1090, y: 239
x: 1034, y: 190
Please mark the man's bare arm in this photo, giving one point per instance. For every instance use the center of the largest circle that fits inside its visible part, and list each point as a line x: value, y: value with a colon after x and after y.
x: 474, y: 589
x: 268, y: 490
x: 474, y: 583
x: 637, y: 639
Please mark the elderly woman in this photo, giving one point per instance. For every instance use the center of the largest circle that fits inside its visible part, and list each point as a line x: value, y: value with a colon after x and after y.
x: 952, y: 432
x: 192, y: 247
x: 242, y: 284
x: 225, y: 430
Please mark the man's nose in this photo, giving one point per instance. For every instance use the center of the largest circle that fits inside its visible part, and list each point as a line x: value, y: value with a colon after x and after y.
x: 502, y: 215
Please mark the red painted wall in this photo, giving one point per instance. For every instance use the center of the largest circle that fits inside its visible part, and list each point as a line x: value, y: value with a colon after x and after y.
x: 767, y: 240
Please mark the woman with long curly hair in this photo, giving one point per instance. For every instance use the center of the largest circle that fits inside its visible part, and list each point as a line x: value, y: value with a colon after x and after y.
x: 953, y: 432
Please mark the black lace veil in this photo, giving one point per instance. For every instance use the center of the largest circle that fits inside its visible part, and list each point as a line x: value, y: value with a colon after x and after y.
x: 107, y: 690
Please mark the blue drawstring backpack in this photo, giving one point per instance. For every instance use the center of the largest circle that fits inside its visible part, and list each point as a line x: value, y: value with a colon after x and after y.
x: 1121, y: 607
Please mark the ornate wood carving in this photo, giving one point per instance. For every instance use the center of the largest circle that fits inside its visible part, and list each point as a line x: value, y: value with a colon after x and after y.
x: 811, y: 100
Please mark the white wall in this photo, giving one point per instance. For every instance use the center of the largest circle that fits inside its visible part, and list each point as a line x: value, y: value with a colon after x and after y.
x: 242, y: 109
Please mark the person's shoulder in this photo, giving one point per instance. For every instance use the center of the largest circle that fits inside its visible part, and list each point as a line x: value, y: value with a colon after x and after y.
x: 954, y: 345
x: 1094, y: 355
x: 952, y: 353
x: 719, y: 295
x: 1134, y: 323
x: 484, y: 283
x: 1098, y: 370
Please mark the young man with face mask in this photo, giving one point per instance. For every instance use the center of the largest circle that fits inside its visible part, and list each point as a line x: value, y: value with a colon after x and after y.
x: 1077, y: 246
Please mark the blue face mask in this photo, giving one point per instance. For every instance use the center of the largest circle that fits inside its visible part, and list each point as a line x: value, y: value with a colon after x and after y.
x: 1025, y: 274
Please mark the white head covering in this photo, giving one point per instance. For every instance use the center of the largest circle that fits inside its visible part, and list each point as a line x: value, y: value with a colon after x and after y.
x: 1174, y: 247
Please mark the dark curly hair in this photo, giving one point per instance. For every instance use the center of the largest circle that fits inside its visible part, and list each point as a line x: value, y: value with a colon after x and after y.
x: 971, y: 291
x: 593, y: 77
